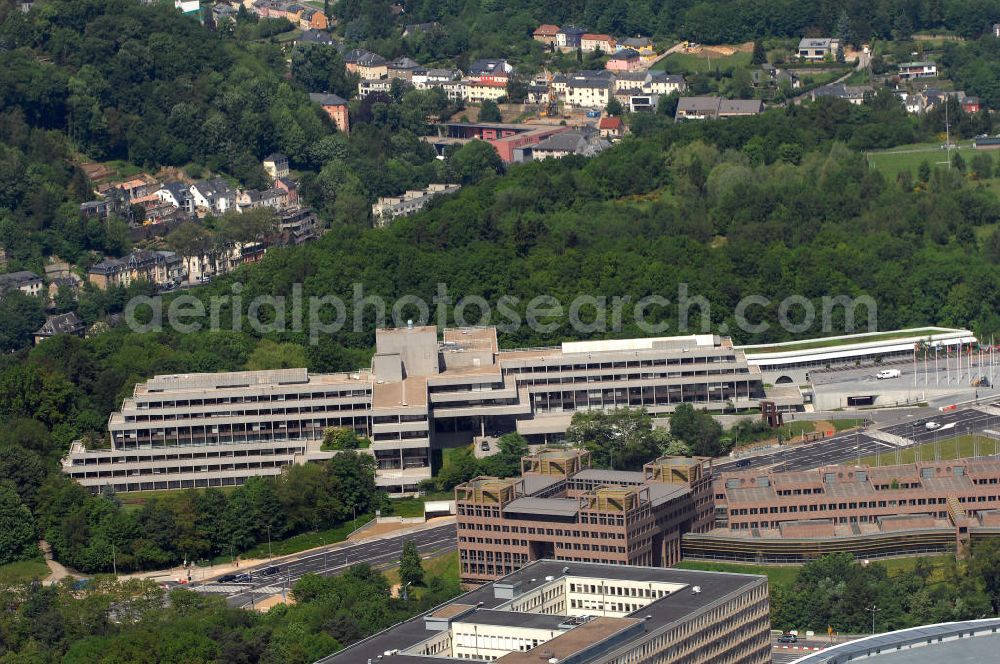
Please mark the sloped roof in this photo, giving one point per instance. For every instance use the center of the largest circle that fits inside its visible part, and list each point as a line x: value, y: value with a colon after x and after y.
x: 69, y: 323
x: 327, y: 99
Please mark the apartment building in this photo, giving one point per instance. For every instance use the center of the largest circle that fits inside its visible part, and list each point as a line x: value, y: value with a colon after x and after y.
x: 199, y: 430
x: 156, y: 267
x: 389, y: 207
x: 562, y: 509
x: 421, y: 393
x: 870, y: 512
x: 585, y: 613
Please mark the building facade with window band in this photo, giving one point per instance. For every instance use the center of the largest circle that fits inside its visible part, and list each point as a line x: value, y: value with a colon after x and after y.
x: 421, y: 394
x: 870, y: 512
x: 562, y: 509
x: 584, y: 613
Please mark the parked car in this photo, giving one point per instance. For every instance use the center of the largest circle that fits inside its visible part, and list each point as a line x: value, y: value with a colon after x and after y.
x: 888, y: 373
x: 243, y: 578
x: 930, y: 426
x: 226, y: 578
x: 788, y: 638
x: 485, y: 446
x: 270, y: 570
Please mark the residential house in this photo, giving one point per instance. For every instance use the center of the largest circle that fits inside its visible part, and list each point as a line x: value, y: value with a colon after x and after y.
x: 70, y: 283
x: 490, y: 71
x: 402, y: 67
x: 290, y: 187
x: 911, y: 70
x: 297, y: 226
x: 611, y: 128
x: 276, y: 165
x: 818, y: 48
x: 69, y: 323
x: 567, y: 143
x: 366, y: 64
x: 311, y: 18
x: 972, y: 105
x: 178, y: 195
x: 641, y: 45
x: 318, y: 37
x: 413, y: 29
x: 366, y: 87
x: 455, y: 90
x: 95, y: 209
x: 388, y: 208
x: 190, y: 8
x: 335, y: 107
x: 769, y: 75
x: 624, y: 60
x: 130, y: 189
x: 536, y: 93
x: 423, y: 78
x: 28, y: 283
x: 590, y: 42
x: 479, y: 91
x: 213, y: 196
x: 293, y: 12
x: 546, y: 34
x: 711, y: 108
x: 853, y: 94
x: 223, y: 13
x: 250, y: 199
x: 585, y: 90
x: 156, y: 267
x: 569, y: 36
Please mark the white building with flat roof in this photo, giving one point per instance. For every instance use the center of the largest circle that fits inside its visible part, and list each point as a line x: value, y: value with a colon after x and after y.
x: 421, y: 393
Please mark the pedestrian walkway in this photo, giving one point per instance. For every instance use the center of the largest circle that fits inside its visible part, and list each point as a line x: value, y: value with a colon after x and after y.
x: 890, y: 438
x: 989, y: 410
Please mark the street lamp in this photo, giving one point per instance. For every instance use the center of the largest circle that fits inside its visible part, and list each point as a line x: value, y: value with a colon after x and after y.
x: 873, y: 609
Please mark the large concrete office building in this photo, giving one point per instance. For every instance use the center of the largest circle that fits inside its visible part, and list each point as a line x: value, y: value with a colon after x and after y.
x: 870, y: 512
x: 580, y: 613
x: 562, y: 509
x: 421, y: 393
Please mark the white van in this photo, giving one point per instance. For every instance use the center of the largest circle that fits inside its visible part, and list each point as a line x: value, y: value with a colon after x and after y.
x: 888, y: 373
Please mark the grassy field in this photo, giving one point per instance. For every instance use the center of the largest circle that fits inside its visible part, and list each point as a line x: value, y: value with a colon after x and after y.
x: 23, y: 572
x: 134, y: 500
x: 807, y: 344
x: 777, y: 575
x: 909, y: 157
x: 691, y: 63
x: 445, y: 565
x: 955, y: 447
x: 843, y: 425
x: 304, y: 541
x: 784, y: 575
x: 407, y: 507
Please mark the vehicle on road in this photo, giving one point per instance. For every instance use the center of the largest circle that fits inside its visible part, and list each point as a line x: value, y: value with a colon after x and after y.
x: 269, y: 571
x: 788, y: 638
x: 743, y: 463
x: 243, y: 578
x: 226, y: 578
x: 888, y: 373
x: 930, y: 426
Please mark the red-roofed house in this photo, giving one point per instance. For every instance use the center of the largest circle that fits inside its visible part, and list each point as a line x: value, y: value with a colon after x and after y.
x: 611, y: 128
x: 591, y: 42
x: 971, y: 104
x: 546, y: 34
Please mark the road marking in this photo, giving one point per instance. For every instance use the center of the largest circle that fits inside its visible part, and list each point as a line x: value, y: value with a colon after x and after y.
x: 989, y: 410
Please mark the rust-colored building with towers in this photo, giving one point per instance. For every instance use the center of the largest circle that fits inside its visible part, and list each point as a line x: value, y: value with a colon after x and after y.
x: 562, y: 509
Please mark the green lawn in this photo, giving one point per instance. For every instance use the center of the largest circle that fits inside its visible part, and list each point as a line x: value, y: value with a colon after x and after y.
x: 843, y: 425
x: 691, y: 63
x: 954, y: 447
x: 808, y: 344
x: 445, y: 566
x: 134, y: 500
x: 777, y: 575
x: 909, y: 157
x: 23, y: 572
x: 407, y: 507
x: 304, y: 541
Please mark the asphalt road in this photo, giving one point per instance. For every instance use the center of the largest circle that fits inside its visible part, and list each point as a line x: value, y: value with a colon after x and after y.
x: 329, y: 561
x: 849, y: 446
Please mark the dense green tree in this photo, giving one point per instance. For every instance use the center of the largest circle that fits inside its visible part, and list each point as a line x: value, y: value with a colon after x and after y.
x: 698, y: 429
x: 489, y: 111
x: 411, y: 569
x: 17, y: 526
x: 620, y: 439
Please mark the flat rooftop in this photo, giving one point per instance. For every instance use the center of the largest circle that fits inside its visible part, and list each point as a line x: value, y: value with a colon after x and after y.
x: 714, y: 588
x: 409, y: 392
x: 543, y: 506
x: 573, y: 641
x: 912, y: 334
